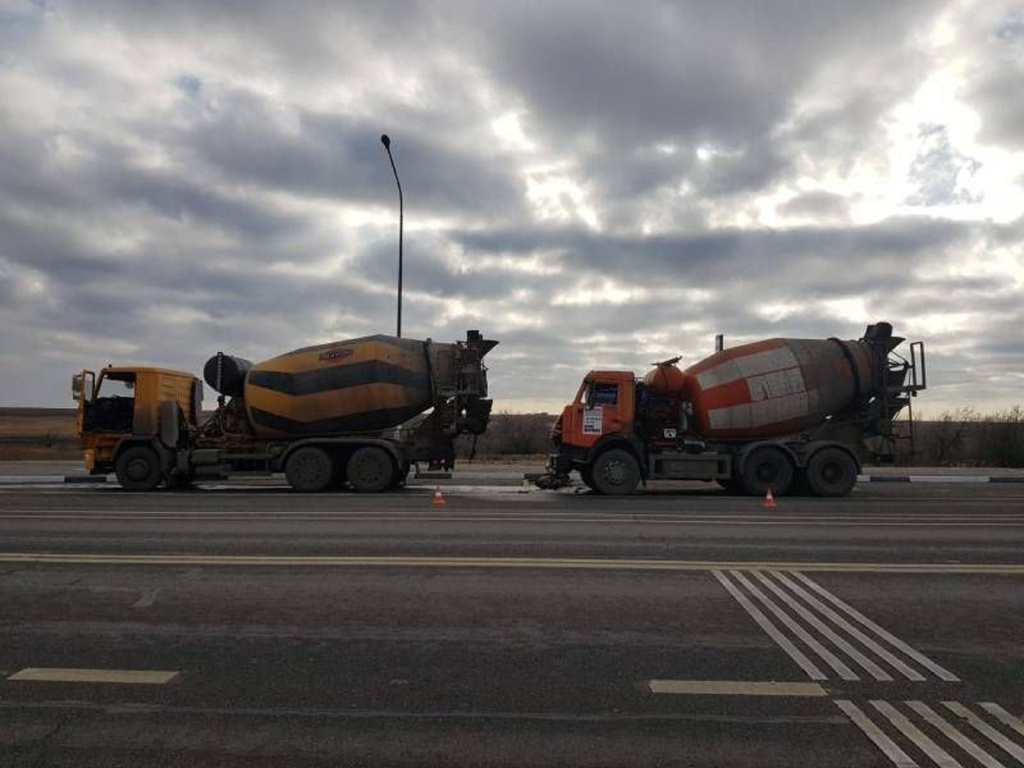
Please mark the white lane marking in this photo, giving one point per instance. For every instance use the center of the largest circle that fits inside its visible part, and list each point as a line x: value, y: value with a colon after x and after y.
x: 830, y: 658
x: 68, y: 675
x: 954, y: 735
x: 781, y: 640
x: 632, y: 519
x: 912, y: 732
x: 908, y: 672
x: 995, y: 710
x: 941, y: 672
x: 986, y: 730
x: 388, y: 561
x: 896, y: 755
x: 734, y: 688
x: 873, y: 669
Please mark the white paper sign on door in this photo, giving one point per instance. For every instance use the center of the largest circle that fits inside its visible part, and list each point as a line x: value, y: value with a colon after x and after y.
x: 593, y: 419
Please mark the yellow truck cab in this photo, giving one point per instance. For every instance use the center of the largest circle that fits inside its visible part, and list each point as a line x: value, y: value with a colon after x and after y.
x: 130, y: 419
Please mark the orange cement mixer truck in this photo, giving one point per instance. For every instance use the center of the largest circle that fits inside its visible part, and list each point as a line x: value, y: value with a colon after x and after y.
x: 782, y: 414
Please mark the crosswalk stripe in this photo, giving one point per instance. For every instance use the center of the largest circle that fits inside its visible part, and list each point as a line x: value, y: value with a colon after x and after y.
x: 873, y: 669
x: 802, y: 618
x: 940, y: 672
x: 897, y: 756
x: 909, y: 672
x: 830, y: 658
x: 773, y: 632
x: 912, y: 732
x: 951, y: 729
x: 954, y: 735
x: 994, y: 709
x: 986, y: 730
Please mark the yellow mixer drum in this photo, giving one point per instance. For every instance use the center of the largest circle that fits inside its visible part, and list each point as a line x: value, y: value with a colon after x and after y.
x: 359, y: 385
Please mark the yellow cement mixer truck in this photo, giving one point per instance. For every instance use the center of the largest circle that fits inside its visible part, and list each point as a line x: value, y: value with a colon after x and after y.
x: 358, y: 412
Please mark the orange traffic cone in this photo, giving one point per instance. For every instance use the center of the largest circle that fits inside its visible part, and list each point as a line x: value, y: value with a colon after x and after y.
x: 438, y: 500
x: 769, y: 500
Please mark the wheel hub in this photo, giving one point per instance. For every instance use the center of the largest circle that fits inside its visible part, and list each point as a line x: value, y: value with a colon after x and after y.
x: 138, y: 469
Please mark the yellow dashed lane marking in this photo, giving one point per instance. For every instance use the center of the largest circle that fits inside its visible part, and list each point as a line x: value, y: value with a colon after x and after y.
x: 501, y: 562
x: 121, y: 676
x: 734, y: 688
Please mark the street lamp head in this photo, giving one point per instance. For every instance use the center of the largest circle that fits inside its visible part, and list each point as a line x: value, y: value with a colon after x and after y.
x: 385, y: 141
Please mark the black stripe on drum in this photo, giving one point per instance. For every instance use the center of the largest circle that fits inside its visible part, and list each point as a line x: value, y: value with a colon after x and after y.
x: 409, y: 345
x: 368, y: 421
x: 338, y: 377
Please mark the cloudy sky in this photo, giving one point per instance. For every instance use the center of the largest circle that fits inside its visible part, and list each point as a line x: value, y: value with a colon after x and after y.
x: 597, y: 184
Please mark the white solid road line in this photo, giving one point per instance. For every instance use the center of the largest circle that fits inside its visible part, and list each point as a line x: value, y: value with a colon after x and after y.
x: 941, y: 672
x: 827, y: 656
x: 781, y: 640
x: 968, y: 746
x: 912, y: 732
x: 909, y: 672
x: 557, y: 563
x: 986, y: 730
x: 734, y: 688
x: 888, y: 747
x: 873, y: 669
x: 69, y: 675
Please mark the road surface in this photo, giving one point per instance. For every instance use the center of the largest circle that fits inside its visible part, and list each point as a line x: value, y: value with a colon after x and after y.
x: 252, y: 626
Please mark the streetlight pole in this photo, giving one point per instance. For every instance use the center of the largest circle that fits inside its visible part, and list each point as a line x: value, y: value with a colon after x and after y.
x: 387, y: 145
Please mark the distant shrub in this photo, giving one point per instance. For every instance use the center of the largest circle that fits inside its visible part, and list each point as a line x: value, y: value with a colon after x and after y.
x: 1003, y: 444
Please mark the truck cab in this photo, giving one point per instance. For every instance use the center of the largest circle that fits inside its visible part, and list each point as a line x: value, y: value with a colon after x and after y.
x: 617, y: 433
x: 130, y: 419
x: 604, y: 405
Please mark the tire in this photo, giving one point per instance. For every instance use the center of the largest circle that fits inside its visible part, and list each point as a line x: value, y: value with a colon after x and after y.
x: 766, y: 468
x: 138, y: 469
x: 615, y: 473
x: 831, y: 472
x: 309, y: 470
x: 371, y: 470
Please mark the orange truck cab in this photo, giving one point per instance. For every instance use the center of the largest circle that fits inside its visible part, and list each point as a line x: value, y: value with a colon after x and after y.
x: 130, y: 420
x: 617, y: 435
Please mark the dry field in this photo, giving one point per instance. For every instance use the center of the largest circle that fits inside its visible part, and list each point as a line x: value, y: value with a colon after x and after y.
x: 33, y: 434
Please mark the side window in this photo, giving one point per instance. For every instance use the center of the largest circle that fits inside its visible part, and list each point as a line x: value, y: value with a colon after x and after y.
x: 606, y: 394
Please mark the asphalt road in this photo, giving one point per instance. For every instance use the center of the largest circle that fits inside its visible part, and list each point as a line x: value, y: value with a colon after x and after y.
x: 509, y: 628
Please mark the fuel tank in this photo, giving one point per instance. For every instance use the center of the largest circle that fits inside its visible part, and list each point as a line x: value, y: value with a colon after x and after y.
x: 362, y: 385
x: 777, y: 386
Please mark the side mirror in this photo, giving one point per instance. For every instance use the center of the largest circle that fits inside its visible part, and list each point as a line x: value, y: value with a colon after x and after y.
x: 76, y: 387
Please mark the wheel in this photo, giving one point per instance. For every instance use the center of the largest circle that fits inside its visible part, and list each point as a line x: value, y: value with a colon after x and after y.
x: 309, y: 470
x: 587, y: 476
x: 370, y: 470
x: 138, y: 469
x: 615, y: 473
x: 767, y: 468
x: 831, y: 472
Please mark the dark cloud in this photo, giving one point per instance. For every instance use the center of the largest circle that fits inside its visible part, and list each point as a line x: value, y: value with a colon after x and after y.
x: 204, y: 177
